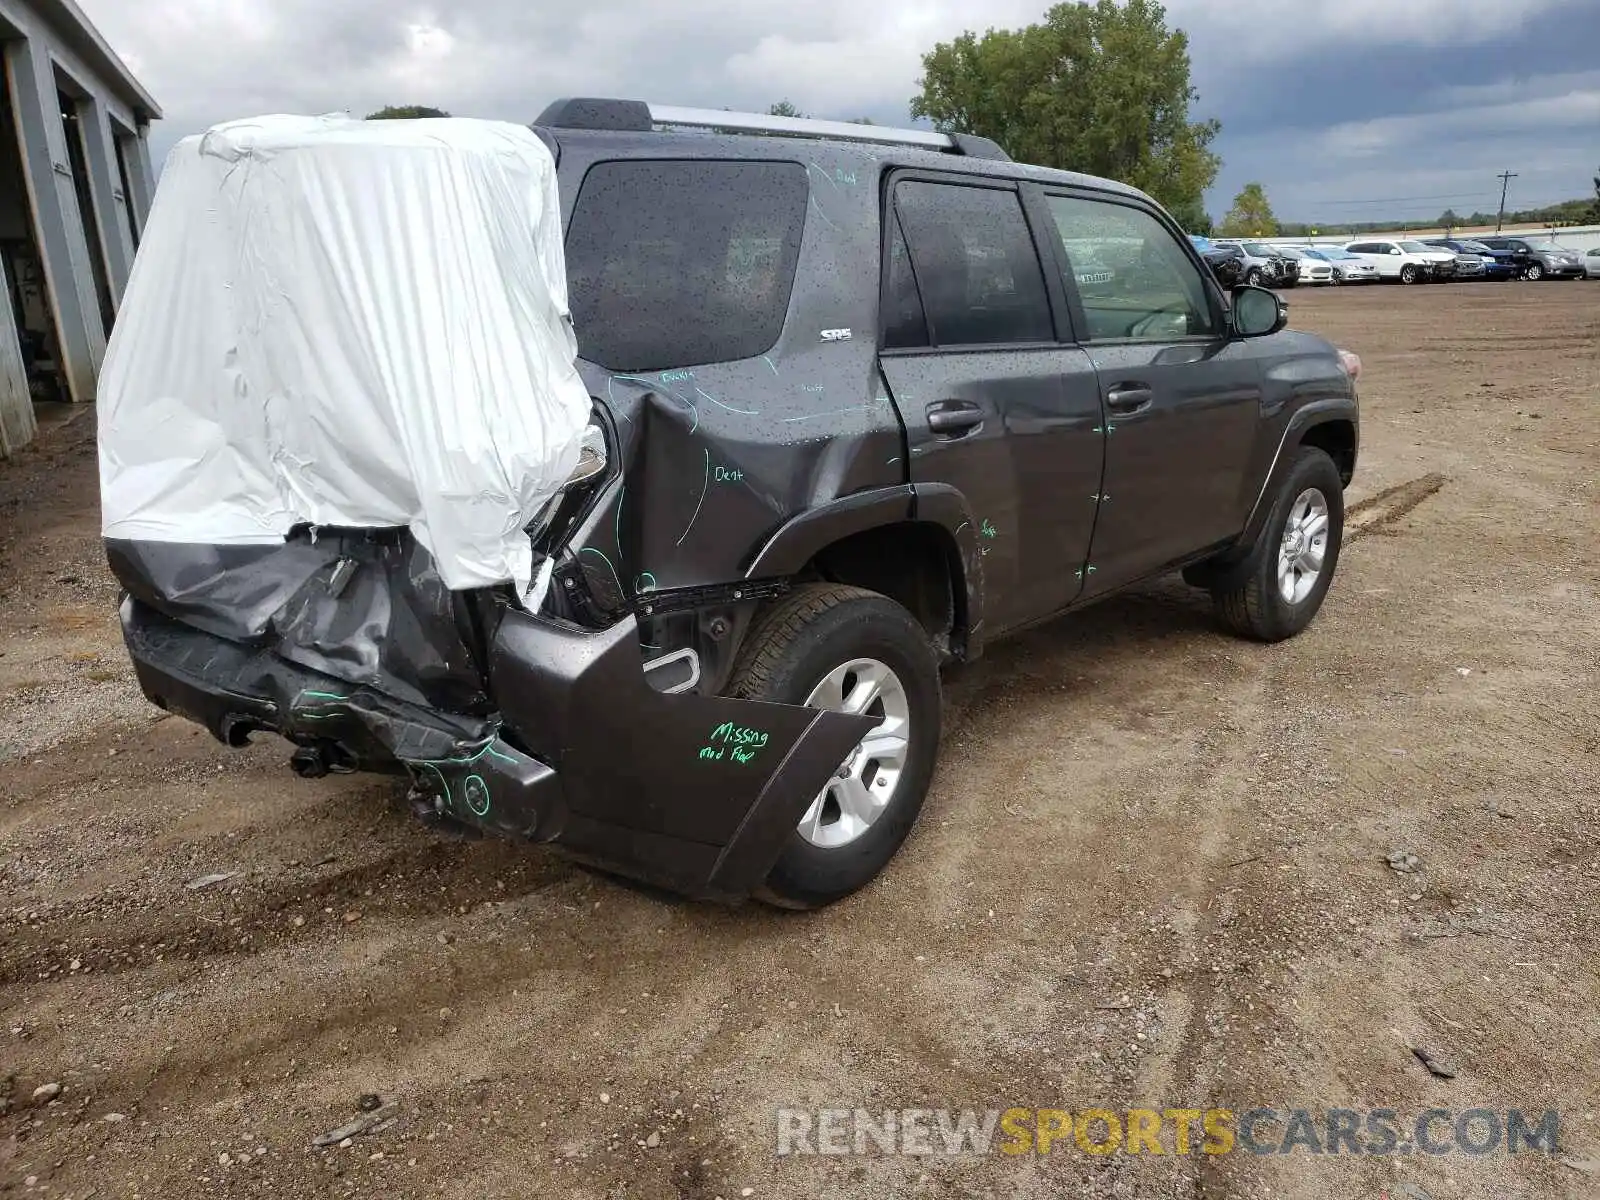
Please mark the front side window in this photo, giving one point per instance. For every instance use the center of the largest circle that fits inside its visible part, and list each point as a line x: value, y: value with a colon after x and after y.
x: 1133, y: 276
x: 675, y: 263
x: 975, y: 265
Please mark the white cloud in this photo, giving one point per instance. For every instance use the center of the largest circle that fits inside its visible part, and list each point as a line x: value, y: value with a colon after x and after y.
x: 213, y: 60
x: 1257, y: 27
x: 1577, y: 109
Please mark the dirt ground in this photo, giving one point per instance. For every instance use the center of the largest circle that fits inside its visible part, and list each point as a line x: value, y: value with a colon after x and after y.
x: 1152, y: 872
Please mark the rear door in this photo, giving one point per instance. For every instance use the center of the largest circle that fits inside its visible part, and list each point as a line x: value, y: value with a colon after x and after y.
x: 994, y: 403
x: 1183, y: 402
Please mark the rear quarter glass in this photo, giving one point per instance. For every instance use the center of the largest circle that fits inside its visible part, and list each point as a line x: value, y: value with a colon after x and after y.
x: 679, y: 262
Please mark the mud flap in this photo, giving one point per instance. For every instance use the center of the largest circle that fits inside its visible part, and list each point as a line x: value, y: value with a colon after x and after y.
x: 694, y: 793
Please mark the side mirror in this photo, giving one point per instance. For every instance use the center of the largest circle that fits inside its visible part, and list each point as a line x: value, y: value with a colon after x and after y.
x: 1257, y: 312
x: 1394, y: 249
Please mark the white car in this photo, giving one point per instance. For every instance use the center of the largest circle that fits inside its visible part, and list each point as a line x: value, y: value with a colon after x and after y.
x: 1406, y: 260
x: 1591, y: 263
x: 1347, y: 267
x: 1311, y: 268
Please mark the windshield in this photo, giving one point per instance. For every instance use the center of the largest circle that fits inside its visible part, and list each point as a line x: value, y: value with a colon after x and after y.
x: 1417, y: 248
x: 1475, y: 248
x: 1259, y: 250
x: 1549, y: 247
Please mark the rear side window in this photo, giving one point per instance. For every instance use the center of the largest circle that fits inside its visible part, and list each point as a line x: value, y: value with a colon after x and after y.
x: 677, y: 263
x: 975, y: 264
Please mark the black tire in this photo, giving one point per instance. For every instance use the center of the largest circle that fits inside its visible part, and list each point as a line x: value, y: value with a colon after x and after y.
x: 1253, y: 607
x: 1534, y: 273
x: 790, y: 648
x: 1409, y: 273
x: 1253, y: 276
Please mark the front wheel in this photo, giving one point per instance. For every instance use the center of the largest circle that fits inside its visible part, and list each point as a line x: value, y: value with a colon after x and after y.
x: 1534, y: 273
x: 1287, y: 573
x: 845, y: 648
x: 1409, y: 273
x: 1253, y: 277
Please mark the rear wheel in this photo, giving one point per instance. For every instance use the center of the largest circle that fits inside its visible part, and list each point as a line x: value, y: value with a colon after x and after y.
x: 1286, y: 575
x: 848, y: 649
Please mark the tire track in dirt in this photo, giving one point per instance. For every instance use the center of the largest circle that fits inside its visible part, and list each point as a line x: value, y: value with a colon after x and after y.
x: 1379, y: 512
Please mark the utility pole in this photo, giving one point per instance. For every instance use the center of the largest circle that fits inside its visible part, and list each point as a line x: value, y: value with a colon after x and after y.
x: 1505, y: 178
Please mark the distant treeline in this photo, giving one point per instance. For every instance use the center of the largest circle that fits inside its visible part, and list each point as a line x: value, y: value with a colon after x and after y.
x: 1568, y: 212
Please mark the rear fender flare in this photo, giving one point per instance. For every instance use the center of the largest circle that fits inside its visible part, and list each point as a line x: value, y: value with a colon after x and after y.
x: 946, y: 506
x: 804, y: 536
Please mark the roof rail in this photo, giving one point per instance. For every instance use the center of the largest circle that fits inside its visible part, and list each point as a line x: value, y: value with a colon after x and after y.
x: 638, y: 117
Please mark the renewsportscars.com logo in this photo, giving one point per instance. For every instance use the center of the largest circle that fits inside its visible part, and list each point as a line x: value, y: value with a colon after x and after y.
x: 1169, y: 1131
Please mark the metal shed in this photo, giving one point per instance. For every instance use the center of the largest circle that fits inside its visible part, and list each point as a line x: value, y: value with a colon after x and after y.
x: 75, y: 187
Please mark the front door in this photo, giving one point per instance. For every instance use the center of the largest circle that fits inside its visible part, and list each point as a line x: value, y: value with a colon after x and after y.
x: 993, y: 402
x: 1183, y: 402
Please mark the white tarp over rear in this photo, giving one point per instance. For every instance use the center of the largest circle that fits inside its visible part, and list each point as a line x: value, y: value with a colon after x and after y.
x: 346, y: 323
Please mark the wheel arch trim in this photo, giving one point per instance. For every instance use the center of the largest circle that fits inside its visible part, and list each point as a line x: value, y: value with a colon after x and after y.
x: 1317, y: 412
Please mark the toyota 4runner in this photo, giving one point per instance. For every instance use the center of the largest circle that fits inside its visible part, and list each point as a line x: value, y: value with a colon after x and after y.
x: 864, y: 400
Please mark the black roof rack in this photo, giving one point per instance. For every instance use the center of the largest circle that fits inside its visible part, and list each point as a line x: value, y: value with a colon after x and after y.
x: 636, y: 116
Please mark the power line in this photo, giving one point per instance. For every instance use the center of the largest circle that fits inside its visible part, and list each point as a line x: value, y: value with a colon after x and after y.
x: 1411, y: 199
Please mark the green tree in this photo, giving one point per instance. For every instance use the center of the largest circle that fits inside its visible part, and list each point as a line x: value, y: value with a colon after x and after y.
x: 784, y: 109
x: 1098, y: 87
x: 1251, y: 215
x: 1448, y: 219
x: 1595, y: 211
x: 405, y: 112
x: 1192, y: 215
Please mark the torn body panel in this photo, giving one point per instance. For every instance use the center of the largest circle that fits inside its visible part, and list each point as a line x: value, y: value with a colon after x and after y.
x: 572, y: 745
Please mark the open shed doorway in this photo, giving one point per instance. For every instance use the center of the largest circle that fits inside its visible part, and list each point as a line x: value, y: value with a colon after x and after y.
x: 30, y: 346
x: 72, y: 105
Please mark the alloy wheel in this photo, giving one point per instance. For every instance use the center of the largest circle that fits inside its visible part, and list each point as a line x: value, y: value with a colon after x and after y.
x: 1304, y: 547
x: 866, y: 782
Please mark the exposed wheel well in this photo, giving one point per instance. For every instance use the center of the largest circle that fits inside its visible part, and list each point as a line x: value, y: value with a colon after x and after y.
x: 916, y: 564
x: 1338, y: 440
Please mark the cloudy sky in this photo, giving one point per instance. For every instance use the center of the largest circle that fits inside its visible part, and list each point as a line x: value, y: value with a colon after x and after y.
x: 1348, y: 110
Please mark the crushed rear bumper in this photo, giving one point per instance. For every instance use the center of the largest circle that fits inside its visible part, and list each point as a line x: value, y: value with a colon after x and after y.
x: 693, y: 793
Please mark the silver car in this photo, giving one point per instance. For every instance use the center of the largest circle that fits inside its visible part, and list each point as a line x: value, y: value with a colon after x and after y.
x: 1347, y: 267
x: 1591, y: 263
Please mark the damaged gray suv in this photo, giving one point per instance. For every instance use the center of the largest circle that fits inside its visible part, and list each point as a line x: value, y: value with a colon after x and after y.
x: 864, y: 400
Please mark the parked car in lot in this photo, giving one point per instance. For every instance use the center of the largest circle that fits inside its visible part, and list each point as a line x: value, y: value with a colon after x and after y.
x: 1591, y: 263
x: 1227, y: 263
x: 1542, y: 258
x: 1405, y: 261
x: 1309, y: 268
x: 1496, y: 264
x: 1263, y: 264
x: 786, y: 513
x: 1347, y: 267
x: 1468, y: 264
